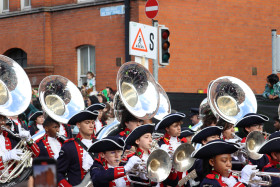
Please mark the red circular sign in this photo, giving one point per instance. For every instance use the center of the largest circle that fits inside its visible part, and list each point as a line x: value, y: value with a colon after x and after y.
x: 151, y: 9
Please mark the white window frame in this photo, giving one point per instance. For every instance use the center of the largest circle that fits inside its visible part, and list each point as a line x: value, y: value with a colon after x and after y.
x: 25, y: 7
x: 79, y: 62
x: 2, y: 7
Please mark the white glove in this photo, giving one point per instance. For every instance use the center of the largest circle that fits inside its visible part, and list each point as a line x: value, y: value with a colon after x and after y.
x: 231, y: 181
x: 247, y: 172
x: 131, y: 163
x: 231, y: 140
x: 25, y: 135
x: 13, y: 154
x: 256, y: 178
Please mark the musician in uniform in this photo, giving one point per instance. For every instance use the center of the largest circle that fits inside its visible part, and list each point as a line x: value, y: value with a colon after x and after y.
x: 272, y: 148
x: 251, y: 122
x: 194, y: 117
x: 9, y: 142
x: 106, y: 170
x: 186, y: 135
x: 128, y: 123
x: 99, y: 107
x: 74, y: 161
x: 65, y: 130
x: 141, y: 138
x: 50, y: 144
x: 36, y: 121
x: 17, y: 124
x: 203, y: 137
x: 216, y: 157
x: 171, y: 123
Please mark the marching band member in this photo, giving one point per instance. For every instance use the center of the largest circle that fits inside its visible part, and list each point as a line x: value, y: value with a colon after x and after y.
x: 216, y: 157
x: 194, y: 117
x: 251, y: 122
x: 141, y: 138
x: 128, y: 123
x: 272, y: 148
x: 203, y: 137
x: 98, y: 122
x: 8, y: 144
x: 49, y: 144
x: 38, y: 119
x: 74, y: 161
x: 106, y: 170
x: 65, y: 130
x: 186, y: 135
x: 17, y: 125
x: 228, y: 130
x: 171, y: 123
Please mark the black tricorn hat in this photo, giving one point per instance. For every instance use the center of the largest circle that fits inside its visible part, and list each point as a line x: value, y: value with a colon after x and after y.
x: 215, y: 147
x: 138, y: 132
x: 96, y: 107
x: 206, y: 132
x: 169, y: 120
x: 34, y: 116
x: 185, y: 132
x: 272, y: 145
x: 251, y: 119
x: 83, y: 115
x: 109, y: 143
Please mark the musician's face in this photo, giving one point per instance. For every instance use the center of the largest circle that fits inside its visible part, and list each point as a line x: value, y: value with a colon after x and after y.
x: 228, y: 133
x: 52, y: 129
x: 174, y: 129
x: 100, y: 113
x: 145, y: 141
x: 256, y: 127
x: 276, y: 156
x: 221, y: 164
x: 131, y: 125
x: 276, y: 125
x: 40, y: 119
x: 88, y: 102
x: 210, y: 138
x: 113, y: 157
x: 86, y: 127
x: 194, y: 119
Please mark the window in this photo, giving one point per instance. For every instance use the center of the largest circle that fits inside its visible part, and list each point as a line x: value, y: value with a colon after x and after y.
x: 17, y: 55
x: 5, y: 5
x: 25, y: 4
x: 86, y: 62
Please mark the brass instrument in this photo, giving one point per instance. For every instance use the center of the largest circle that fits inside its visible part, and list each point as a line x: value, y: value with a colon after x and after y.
x: 231, y: 99
x: 254, y: 141
x: 181, y: 159
x: 15, y: 92
x: 156, y: 137
x: 260, y: 174
x: 60, y: 98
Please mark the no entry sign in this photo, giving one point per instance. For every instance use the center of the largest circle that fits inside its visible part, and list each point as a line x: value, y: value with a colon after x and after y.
x: 151, y: 9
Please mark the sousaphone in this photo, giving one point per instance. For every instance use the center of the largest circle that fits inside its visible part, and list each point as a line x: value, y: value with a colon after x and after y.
x: 231, y: 99
x: 60, y: 98
x: 15, y: 97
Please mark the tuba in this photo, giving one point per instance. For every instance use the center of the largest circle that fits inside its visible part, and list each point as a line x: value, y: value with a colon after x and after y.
x: 231, y: 99
x: 60, y: 98
x: 15, y: 97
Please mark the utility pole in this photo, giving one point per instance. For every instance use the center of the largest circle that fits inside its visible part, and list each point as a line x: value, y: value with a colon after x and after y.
x: 155, y: 61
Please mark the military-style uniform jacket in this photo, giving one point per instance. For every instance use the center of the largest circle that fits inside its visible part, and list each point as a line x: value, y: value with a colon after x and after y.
x: 103, y: 176
x: 70, y: 162
x: 215, y: 180
x: 11, y: 142
x: 273, y: 166
x: 45, y: 148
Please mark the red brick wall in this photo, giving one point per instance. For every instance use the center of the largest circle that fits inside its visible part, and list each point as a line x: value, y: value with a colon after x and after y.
x: 210, y: 39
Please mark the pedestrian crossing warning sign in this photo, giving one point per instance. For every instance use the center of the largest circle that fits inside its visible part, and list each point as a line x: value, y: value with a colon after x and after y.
x: 139, y: 42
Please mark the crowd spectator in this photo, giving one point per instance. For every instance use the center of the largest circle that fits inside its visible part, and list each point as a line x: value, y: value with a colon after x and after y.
x: 272, y: 88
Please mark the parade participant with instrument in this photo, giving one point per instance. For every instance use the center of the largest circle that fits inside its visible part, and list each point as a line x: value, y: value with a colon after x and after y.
x: 216, y: 157
x: 141, y: 139
x: 272, y: 148
x: 106, y: 170
x: 74, y: 161
x: 251, y: 122
x: 36, y: 120
x: 203, y: 137
x: 171, y: 123
x: 186, y: 135
x: 49, y: 144
x: 98, y: 122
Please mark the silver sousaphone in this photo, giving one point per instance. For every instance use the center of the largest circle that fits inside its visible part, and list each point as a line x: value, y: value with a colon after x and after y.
x: 231, y: 99
x: 60, y: 98
x: 15, y: 97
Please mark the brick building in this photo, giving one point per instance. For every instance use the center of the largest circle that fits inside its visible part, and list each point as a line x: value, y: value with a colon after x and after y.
x: 208, y: 39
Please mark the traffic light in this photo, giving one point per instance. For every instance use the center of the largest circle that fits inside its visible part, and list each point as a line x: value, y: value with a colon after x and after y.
x: 164, y: 45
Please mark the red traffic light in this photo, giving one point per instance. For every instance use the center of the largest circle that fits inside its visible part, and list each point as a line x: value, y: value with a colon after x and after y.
x: 165, y: 34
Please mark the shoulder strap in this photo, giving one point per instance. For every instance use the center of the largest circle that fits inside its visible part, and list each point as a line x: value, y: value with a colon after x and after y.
x: 85, y: 147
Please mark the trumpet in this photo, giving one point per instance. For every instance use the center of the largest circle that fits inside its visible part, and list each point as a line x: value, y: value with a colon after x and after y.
x: 63, y: 138
x: 260, y: 174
